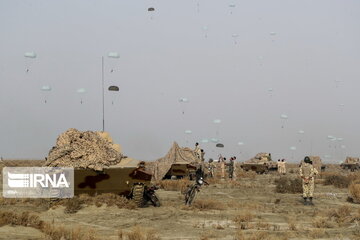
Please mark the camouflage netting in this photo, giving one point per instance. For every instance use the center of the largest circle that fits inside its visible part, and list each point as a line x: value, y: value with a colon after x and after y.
x: 351, y: 160
x: 176, y: 154
x: 77, y: 149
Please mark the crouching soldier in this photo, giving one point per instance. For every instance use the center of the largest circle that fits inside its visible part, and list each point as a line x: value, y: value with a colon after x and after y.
x: 307, y: 173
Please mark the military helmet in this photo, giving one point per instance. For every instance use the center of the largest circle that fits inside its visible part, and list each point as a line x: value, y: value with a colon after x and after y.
x: 307, y: 160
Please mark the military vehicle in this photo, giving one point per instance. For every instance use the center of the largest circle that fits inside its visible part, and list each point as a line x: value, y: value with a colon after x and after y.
x: 351, y: 163
x: 127, y: 178
x: 261, y: 163
x: 181, y: 170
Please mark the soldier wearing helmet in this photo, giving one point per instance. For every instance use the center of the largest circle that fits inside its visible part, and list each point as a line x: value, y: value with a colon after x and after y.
x: 307, y: 173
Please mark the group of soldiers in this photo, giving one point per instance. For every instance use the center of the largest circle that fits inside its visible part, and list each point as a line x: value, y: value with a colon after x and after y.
x: 307, y: 171
x: 281, y: 166
x: 211, y: 165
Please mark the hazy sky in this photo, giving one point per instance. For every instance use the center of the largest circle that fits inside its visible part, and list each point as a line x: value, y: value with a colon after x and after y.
x: 307, y: 51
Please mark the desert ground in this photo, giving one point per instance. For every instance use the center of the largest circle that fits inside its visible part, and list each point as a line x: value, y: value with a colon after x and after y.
x: 250, y: 207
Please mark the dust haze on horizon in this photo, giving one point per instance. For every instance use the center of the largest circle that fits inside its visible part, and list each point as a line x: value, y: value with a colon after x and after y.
x: 246, y: 65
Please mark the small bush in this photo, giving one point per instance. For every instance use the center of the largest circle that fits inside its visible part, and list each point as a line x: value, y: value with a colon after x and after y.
x: 138, y: 233
x: 354, y: 190
x: 73, y: 205
x: 110, y: 199
x: 174, y: 185
x: 287, y: 185
x: 208, y: 204
x: 339, y: 181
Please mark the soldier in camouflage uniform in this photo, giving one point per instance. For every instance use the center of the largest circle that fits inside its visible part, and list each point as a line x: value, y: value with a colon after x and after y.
x: 231, y: 167
x: 307, y: 173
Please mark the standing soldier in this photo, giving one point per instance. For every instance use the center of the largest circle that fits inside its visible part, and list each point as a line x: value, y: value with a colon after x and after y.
x: 211, y: 168
x: 307, y: 173
x: 283, y: 166
x: 197, y: 150
x: 222, y: 166
x: 279, y: 166
x: 231, y: 168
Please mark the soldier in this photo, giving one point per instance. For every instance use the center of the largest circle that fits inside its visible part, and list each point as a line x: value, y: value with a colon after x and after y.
x: 279, y: 166
x: 222, y: 165
x: 197, y: 150
x: 283, y: 166
x: 211, y: 168
x: 202, y: 155
x: 307, y: 173
x: 231, y: 167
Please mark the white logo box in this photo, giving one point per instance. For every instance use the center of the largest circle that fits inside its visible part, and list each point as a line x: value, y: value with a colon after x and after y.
x: 38, y: 182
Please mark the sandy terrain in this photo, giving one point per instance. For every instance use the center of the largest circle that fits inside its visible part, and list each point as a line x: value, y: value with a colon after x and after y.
x: 248, y: 208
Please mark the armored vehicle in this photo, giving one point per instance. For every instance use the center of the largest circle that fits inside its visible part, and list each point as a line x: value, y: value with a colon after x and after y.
x: 127, y: 178
x: 351, y: 163
x: 261, y: 163
x: 181, y: 170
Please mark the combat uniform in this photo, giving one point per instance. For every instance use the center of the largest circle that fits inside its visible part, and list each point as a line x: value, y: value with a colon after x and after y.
x: 231, y: 168
x: 307, y: 173
x: 197, y: 151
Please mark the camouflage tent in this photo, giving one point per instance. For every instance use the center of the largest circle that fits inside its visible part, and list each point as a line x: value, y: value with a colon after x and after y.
x: 351, y: 160
x: 176, y: 154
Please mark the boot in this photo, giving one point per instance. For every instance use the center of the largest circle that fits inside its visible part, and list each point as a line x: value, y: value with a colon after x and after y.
x: 305, y: 201
x: 311, y: 202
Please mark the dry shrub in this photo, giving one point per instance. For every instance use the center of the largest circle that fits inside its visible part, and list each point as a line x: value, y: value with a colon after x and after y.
x: 341, y: 215
x: 354, y: 190
x: 23, y: 219
x: 52, y: 231
x: 37, y: 202
x: 245, y: 174
x: 174, y: 185
x: 239, y: 235
x: 292, y: 225
x: 337, y: 180
x: 288, y: 185
x: 138, y: 233
x: 317, y: 233
x: 208, y: 204
x: 243, y: 220
x: 322, y: 223
x: 73, y: 205
x: 110, y: 199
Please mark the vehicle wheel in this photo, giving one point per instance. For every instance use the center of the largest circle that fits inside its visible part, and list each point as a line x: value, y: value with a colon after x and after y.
x: 138, y: 194
x: 190, y: 195
x: 155, y: 201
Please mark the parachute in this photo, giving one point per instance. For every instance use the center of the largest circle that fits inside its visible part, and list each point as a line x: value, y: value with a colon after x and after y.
x: 217, y: 121
x: 235, y: 36
x: 81, y: 91
x: 188, y: 132
x: 205, y: 29
x: 151, y: 10
x: 182, y: 101
x: 240, y: 143
x: 30, y: 56
x: 284, y: 117
x: 231, y: 6
x: 204, y: 140
x: 214, y: 140
x: 113, y: 64
x: 113, y: 55
x: 220, y: 145
x: 45, y: 88
x: 113, y: 88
